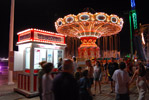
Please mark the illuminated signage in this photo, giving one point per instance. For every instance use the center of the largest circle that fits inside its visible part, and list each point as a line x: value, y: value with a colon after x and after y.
x: 25, y: 36
x: 49, y: 38
x: 134, y: 18
x: 35, y: 35
x: 133, y: 4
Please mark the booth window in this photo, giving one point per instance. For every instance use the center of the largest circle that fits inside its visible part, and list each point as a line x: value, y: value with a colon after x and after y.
x: 27, y: 58
x: 43, y: 54
x: 57, y: 54
x: 49, y: 55
x: 39, y: 55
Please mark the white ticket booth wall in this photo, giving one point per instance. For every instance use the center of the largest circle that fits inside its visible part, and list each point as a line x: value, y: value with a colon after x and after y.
x: 35, y: 46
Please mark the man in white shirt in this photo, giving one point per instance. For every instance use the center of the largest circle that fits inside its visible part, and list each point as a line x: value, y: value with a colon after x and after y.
x: 121, y: 79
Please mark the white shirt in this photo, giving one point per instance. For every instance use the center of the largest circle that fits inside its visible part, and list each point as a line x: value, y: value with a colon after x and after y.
x: 47, y: 87
x: 96, y: 69
x: 121, y: 78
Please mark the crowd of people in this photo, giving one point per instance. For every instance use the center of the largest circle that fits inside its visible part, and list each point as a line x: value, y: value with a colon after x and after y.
x: 74, y: 82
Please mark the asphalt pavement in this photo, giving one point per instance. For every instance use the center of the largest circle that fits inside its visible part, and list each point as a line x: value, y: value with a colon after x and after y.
x: 7, y: 91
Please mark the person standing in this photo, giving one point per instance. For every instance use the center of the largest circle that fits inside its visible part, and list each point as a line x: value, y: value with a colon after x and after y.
x: 78, y: 73
x: 75, y: 64
x: 65, y: 87
x: 111, y: 68
x: 129, y: 68
x: 141, y: 81
x: 105, y: 71
x: 40, y: 74
x: 47, y: 82
x: 85, y: 87
x: 97, y: 76
x: 60, y: 60
x: 147, y: 74
x: 90, y: 71
x: 121, y: 79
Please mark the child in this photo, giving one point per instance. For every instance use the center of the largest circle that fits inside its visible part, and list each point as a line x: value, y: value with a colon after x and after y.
x: 85, y: 87
x: 78, y: 74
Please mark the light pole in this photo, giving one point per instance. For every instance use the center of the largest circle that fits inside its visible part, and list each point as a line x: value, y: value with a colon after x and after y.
x: 133, y: 16
x: 10, y: 52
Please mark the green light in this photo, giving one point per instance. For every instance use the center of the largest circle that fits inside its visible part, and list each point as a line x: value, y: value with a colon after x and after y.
x: 134, y: 18
x: 128, y: 56
x: 131, y: 42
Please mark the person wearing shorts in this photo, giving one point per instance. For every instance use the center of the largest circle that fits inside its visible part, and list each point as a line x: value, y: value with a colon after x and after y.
x: 97, y: 76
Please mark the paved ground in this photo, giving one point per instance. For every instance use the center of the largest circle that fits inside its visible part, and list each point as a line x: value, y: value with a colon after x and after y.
x: 3, y: 77
x: 6, y: 93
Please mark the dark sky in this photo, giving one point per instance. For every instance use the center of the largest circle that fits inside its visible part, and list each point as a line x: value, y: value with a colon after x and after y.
x: 42, y: 14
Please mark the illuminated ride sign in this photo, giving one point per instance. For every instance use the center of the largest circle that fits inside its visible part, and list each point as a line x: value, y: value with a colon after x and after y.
x: 133, y: 14
x: 35, y: 35
x: 133, y: 5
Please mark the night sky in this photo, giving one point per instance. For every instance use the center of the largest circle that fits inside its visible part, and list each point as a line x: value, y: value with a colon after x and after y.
x: 42, y: 14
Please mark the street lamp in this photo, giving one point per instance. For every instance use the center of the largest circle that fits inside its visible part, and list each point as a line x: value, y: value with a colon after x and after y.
x: 10, y: 52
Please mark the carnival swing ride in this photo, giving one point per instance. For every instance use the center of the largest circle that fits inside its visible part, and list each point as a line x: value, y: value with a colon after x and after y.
x: 88, y: 27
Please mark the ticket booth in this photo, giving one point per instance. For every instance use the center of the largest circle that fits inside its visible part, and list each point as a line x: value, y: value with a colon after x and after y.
x: 35, y: 46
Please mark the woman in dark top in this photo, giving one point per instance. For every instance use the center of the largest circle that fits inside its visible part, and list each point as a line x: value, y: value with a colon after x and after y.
x: 112, y: 66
